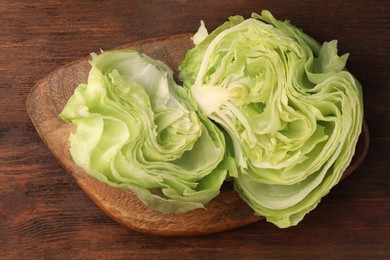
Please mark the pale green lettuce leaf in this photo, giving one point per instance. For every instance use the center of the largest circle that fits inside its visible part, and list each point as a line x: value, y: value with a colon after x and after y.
x: 293, y: 111
x: 137, y: 129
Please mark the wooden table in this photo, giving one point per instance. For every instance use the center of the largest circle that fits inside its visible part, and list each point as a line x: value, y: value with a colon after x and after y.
x: 45, y: 215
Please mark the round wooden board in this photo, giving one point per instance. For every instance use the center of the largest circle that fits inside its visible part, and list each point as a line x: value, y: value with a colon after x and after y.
x: 227, y: 211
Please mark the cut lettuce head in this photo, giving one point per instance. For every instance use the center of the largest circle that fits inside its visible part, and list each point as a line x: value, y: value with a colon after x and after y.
x: 289, y: 111
x: 293, y: 111
x: 136, y: 129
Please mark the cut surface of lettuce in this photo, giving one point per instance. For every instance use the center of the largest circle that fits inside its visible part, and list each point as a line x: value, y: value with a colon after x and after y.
x: 292, y: 109
x: 137, y: 129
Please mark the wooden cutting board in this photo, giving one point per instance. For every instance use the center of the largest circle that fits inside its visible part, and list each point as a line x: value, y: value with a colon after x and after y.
x: 49, y: 96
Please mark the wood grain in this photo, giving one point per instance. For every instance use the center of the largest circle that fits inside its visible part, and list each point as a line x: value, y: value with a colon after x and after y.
x: 225, y: 212
x: 45, y: 215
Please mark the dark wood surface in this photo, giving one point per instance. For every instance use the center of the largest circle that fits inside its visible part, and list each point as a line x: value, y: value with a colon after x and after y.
x: 45, y: 215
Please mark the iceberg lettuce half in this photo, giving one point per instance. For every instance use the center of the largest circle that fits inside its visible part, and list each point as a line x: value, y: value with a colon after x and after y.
x: 137, y: 129
x: 292, y: 109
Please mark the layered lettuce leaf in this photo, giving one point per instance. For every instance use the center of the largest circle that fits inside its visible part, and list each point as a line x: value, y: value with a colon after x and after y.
x: 136, y: 129
x: 292, y: 109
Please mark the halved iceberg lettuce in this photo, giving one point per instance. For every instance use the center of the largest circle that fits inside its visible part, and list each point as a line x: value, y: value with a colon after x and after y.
x: 138, y: 130
x: 293, y: 111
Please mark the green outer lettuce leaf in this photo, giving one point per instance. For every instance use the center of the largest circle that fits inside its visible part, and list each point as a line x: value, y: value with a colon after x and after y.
x: 293, y: 111
x: 138, y: 130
